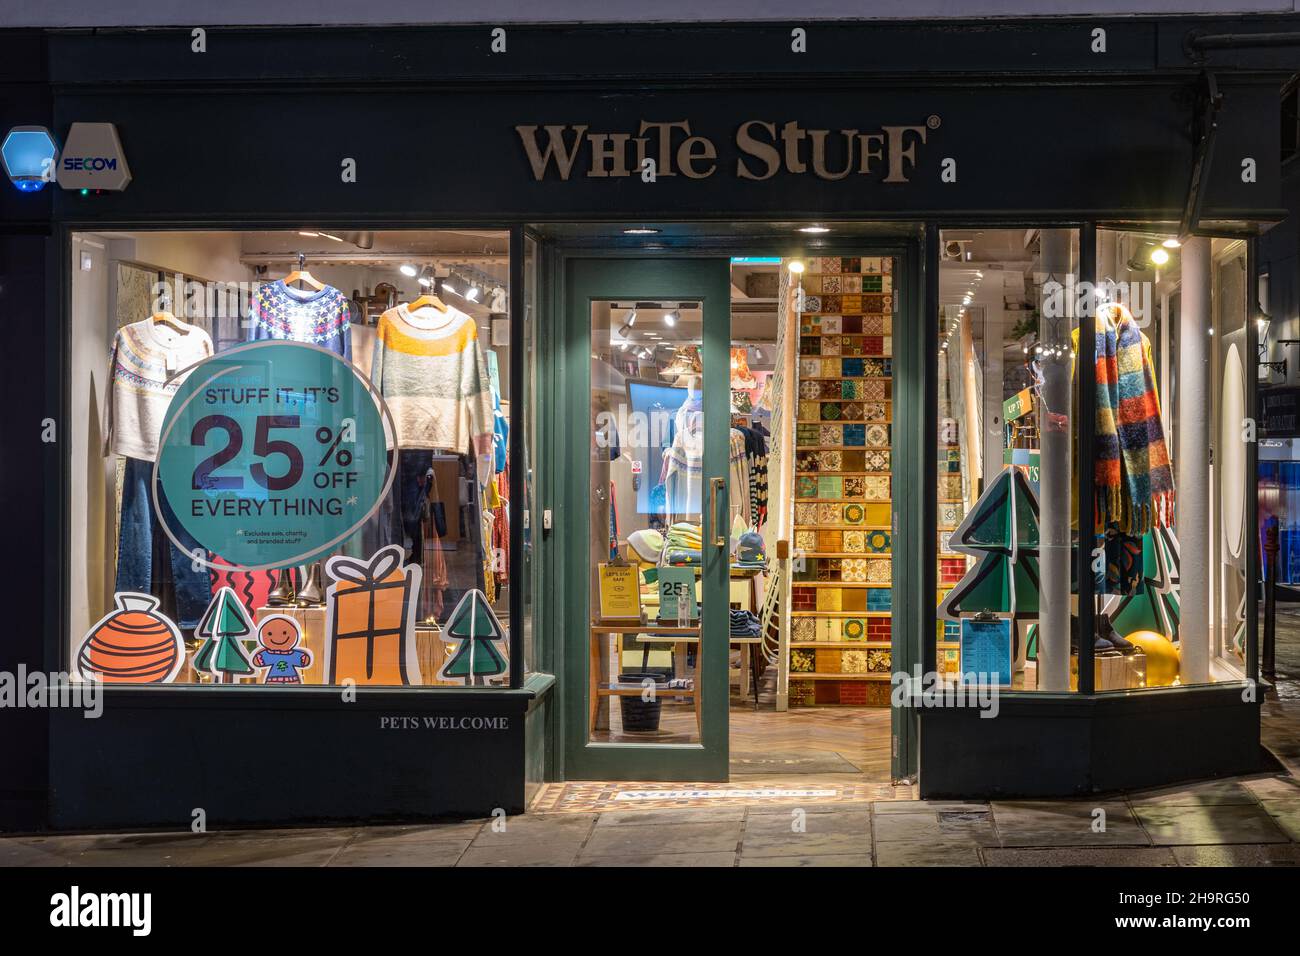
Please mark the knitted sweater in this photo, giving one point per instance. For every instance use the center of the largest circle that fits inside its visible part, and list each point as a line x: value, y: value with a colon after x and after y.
x: 278, y: 311
x: 145, y: 357
x: 432, y: 373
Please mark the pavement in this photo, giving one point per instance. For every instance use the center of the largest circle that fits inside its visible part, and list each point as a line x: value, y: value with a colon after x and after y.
x: 1240, y: 821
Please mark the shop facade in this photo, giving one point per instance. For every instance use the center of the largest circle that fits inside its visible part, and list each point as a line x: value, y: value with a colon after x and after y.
x: 646, y: 168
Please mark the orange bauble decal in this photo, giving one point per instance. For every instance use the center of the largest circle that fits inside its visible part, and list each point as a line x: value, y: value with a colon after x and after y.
x: 132, y: 644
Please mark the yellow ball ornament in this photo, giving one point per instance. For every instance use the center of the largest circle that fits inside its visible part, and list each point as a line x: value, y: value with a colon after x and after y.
x: 1162, y: 657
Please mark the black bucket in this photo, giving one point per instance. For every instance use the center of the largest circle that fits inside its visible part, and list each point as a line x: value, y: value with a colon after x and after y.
x: 639, y: 715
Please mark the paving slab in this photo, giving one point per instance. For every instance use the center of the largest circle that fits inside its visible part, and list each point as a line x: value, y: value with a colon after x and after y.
x: 1274, y: 787
x: 968, y: 828
x: 855, y: 822
x: 1241, y: 854
x: 1080, y: 856
x: 1190, y: 826
x: 805, y: 844
x: 407, y: 846
x: 927, y: 854
x: 715, y: 859
x: 1285, y: 815
x: 1029, y: 823
x: 1200, y: 794
x: 667, y: 838
x: 520, y: 854
x: 131, y: 849
x: 931, y: 806
x: 32, y: 851
x: 568, y: 828
x: 285, y: 848
x: 656, y: 817
x: 829, y: 859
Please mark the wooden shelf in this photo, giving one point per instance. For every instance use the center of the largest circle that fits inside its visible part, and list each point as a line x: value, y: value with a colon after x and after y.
x: 850, y: 474
x: 868, y: 555
x: 878, y: 645
x: 634, y: 628
x: 607, y: 691
x: 842, y: 614
x: 807, y: 675
x: 839, y: 584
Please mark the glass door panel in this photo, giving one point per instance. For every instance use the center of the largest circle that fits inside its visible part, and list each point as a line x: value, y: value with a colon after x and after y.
x: 654, y: 508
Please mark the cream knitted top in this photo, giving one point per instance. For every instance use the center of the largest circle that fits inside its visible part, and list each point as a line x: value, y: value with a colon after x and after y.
x: 142, y: 380
x: 432, y: 373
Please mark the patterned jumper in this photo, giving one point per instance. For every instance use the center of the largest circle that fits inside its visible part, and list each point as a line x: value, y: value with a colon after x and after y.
x: 278, y: 311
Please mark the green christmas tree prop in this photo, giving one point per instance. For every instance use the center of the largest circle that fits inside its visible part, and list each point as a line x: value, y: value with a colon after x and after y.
x: 222, y: 626
x: 1155, y: 605
x: 477, y: 627
x: 1001, y: 532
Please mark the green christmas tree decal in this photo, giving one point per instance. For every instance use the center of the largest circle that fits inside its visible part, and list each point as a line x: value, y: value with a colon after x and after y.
x: 224, y: 623
x: 1001, y: 531
x: 477, y: 627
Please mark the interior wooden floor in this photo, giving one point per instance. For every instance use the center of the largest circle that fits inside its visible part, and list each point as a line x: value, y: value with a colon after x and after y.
x: 807, y: 755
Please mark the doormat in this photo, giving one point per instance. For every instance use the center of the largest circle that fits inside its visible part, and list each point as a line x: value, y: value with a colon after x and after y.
x: 589, y: 797
x: 815, y: 761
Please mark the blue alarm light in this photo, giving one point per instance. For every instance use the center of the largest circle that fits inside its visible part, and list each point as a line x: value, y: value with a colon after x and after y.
x: 29, y: 154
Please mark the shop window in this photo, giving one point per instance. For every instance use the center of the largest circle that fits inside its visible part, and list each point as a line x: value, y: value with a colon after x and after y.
x: 292, y: 468
x: 1177, y: 314
x: 1006, y: 458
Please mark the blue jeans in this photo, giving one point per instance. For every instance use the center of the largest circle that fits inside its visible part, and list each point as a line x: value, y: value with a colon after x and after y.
x: 147, y: 561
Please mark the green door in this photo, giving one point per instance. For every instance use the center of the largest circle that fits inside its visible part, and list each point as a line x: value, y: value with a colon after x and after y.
x: 646, y: 426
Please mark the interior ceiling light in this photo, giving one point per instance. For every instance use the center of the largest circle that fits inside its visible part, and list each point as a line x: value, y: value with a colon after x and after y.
x: 796, y: 266
x: 640, y: 231
x: 409, y: 270
x: 814, y: 230
x: 472, y: 294
x: 426, y: 277
x: 1171, y: 243
x: 1159, y: 256
x: 631, y: 318
x: 670, y: 318
x: 309, y: 235
x: 448, y: 287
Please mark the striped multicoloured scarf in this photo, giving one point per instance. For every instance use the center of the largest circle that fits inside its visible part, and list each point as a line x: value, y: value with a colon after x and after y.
x: 1134, y: 481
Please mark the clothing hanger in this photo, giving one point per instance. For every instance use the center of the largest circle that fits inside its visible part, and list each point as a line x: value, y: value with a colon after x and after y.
x: 302, y: 275
x: 427, y: 299
x: 164, y: 314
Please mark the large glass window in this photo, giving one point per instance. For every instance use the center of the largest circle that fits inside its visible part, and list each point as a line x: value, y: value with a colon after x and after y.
x: 1006, y: 458
x: 290, y: 458
x: 1174, y: 317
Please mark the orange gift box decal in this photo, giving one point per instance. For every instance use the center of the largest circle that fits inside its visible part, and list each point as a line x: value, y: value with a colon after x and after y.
x: 370, y: 620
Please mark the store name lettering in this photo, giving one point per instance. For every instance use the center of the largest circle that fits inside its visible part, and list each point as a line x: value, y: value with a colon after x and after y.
x: 765, y: 149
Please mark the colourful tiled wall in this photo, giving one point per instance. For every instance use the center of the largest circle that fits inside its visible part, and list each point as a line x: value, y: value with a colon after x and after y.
x: 843, y: 457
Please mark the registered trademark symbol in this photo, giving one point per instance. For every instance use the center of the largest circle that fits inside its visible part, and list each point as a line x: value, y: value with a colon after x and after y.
x: 933, y: 122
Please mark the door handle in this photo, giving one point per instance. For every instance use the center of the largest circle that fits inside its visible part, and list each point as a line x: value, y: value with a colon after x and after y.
x: 719, y: 540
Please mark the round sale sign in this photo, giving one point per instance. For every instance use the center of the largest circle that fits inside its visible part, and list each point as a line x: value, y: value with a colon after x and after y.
x: 271, y: 455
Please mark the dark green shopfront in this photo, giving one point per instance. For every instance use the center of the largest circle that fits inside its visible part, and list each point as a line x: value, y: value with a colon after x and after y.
x: 937, y: 220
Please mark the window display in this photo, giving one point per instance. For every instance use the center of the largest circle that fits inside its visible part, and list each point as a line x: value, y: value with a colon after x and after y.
x: 1174, y: 589
x: 322, y: 499
x: 1168, y: 469
x: 1007, y: 459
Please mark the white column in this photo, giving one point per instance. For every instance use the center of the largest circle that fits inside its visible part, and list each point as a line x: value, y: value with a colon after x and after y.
x: 1193, y: 464
x: 1054, y: 480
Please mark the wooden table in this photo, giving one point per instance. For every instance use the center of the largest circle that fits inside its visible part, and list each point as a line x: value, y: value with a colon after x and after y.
x: 670, y: 634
